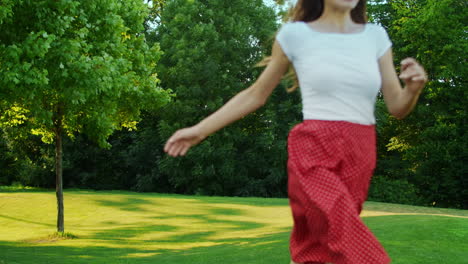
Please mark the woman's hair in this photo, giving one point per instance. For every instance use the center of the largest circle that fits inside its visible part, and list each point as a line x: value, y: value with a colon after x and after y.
x: 310, y: 10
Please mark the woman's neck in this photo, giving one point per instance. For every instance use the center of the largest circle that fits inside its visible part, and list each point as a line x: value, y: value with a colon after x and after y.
x: 336, y: 19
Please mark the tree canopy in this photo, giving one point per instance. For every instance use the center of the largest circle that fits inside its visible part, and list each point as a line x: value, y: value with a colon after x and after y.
x: 70, y: 67
x: 210, y: 49
x: 428, y: 148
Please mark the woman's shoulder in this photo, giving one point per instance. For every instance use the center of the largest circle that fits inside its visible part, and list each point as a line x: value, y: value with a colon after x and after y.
x: 291, y: 27
x: 380, y: 37
x: 375, y: 28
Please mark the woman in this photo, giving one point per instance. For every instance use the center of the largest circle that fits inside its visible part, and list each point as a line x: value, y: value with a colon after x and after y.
x: 341, y: 62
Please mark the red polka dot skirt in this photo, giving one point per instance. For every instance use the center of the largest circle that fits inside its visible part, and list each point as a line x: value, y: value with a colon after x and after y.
x: 330, y: 164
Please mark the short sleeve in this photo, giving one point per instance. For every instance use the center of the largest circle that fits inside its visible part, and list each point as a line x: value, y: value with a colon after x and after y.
x: 383, y: 41
x: 285, y: 40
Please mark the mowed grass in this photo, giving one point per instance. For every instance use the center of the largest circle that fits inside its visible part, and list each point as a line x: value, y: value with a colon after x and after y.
x: 125, y: 227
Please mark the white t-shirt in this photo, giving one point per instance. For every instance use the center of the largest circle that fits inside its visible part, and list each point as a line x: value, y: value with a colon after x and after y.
x: 338, y: 74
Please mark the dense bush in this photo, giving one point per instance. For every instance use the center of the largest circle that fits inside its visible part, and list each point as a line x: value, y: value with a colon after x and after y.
x: 26, y: 161
x: 383, y: 189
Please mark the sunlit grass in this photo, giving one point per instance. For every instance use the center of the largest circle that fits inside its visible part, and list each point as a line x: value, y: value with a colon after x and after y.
x: 125, y: 227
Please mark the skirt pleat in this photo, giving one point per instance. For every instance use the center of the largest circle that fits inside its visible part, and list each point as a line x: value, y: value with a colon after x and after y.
x: 330, y: 165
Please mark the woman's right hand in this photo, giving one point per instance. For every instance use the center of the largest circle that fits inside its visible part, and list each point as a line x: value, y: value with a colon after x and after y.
x: 182, y: 140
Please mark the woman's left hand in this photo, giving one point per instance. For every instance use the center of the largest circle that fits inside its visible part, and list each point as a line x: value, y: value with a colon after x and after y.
x: 413, y: 74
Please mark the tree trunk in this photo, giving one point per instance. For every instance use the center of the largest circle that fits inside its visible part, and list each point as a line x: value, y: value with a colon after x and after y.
x: 58, y: 172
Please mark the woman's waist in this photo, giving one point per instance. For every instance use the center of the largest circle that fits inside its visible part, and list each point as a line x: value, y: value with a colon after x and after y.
x: 337, y: 127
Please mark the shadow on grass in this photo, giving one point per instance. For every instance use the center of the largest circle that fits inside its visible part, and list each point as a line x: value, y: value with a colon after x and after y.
x: 253, y: 201
x: 174, y: 238
x: 408, y: 239
x: 209, y: 219
x: 128, y: 204
x: 266, y: 249
x: 129, y: 232
x: 425, y: 239
x: 207, y: 215
x: 190, y: 234
x: 403, y: 208
x: 24, y: 221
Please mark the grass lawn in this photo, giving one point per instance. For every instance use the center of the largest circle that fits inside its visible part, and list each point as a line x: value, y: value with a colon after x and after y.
x: 124, y: 227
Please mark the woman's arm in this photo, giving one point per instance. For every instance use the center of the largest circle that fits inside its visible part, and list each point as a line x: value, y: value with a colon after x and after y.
x: 242, y: 104
x: 400, y: 102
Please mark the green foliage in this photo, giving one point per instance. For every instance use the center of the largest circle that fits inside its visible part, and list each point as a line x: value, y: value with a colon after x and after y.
x: 25, y: 159
x: 393, y: 191
x: 6, y: 7
x: 74, y: 67
x: 130, y: 164
x: 432, y: 142
x: 210, y: 48
x: 89, y: 67
x: 8, y: 165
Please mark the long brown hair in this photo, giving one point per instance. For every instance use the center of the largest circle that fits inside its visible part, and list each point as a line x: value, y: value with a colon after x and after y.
x: 308, y: 11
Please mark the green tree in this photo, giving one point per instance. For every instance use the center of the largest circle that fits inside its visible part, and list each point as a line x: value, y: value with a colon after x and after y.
x: 74, y: 67
x: 210, y: 48
x: 391, y: 169
x: 130, y: 164
x: 439, y: 142
x: 429, y: 147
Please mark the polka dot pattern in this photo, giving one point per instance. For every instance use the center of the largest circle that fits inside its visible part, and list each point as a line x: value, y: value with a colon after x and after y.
x: 330, y: 165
